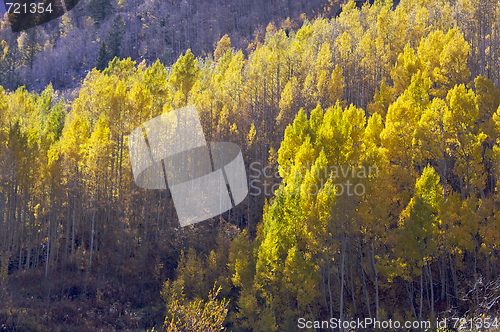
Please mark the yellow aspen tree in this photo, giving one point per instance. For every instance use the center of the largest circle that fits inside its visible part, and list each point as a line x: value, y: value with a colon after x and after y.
x: 460, y: 121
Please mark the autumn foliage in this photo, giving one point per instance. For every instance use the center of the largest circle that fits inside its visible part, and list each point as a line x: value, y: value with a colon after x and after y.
x: 400, y: 105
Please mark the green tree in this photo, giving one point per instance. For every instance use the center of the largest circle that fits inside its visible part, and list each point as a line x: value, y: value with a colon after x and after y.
x: 418, y: 231
x: 460, y: 121
x: 102, y: 57
x: 100, y: 9
x: 185, y: 71
x: 115, y: 36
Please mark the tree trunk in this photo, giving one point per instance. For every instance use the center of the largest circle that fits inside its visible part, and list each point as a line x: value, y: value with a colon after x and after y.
x: 342, y: 276
x: 376, y: 280
x: 431, y: 285
x: 421, y: 293
x: 48, y: 248
x: 92, y: 232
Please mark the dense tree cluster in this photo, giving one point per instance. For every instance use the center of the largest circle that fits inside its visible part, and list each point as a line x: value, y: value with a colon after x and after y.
x: 382, y: 131
x: 95, y: 31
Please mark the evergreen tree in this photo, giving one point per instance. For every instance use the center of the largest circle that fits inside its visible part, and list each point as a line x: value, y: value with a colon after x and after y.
x: 102, y: 58
x: 100, y: 9
x: 115, y: 37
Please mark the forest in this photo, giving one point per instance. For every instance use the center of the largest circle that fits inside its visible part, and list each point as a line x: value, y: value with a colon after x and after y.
x: 378, y: 131
x: 63, y: 51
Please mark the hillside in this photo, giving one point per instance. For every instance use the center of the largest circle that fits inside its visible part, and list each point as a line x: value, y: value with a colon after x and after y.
x: 64, y: 50
x: 371, y: 143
